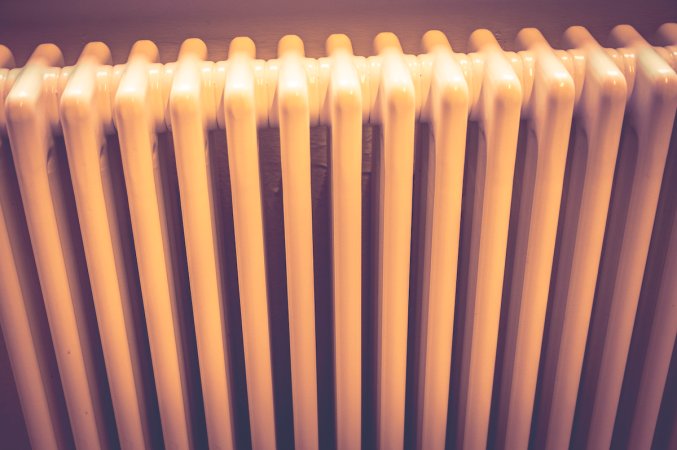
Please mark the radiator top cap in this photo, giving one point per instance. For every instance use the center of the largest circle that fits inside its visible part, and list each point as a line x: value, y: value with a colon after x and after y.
x: 47, y: 54
x: 482, y: 39
x: 433, y: 39
x: 6, y: 58
x: 579, y: 37
x: 242, y: 45
x: 193, y: 47
x: 338, y: 42
x: 529, y: 37
x: 145, y: 49
x: 97, y: 52
x: 385, y: 41
x: 290, y: 44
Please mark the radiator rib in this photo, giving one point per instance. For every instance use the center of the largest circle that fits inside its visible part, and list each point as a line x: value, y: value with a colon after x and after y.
x: 138, y: 146
x: 192, y: 161
x: 294, y: 117
x: 15, y: 316
x: 243, y: 157
x: 31, y: 143
x: 594, y: 148
x: 346, y: 181
x: 21, y: 346
x: 499, y: 113
x: 653, y: 375
x: 395, y: 111
x: 448, y: 109
x: 661, y: 342
x: 648, y: 124
x: 548, y: 115
x: 85, y: 141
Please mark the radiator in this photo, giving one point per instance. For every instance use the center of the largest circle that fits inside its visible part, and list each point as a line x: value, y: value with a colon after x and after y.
x: 168, y: 276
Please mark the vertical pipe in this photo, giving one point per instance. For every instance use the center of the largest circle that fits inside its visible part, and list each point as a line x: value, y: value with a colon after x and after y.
x: 21, y: 345
x: 346, y: 193
x: 650, y: 116
x: 600, y: 115
x: 294, y: 117
x: 30, y: 139
x: 448, y: 114
x: 499, y: 112
x: 654, y: 373
x: 192, y: 163
x: 15, y: 322
x: 83, y: 134
x: 549, y: 120
x: 138, y: 148
x: 396, y: 114
x: 243, y: 160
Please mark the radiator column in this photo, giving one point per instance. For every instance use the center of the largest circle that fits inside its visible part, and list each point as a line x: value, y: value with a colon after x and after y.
x: 32, y: 146
x: 195, y: 185
x: 599, y: 117
x: 88, y: 162
x: 240, y: 117
x: 447, y: 111
x: 345, y: 94
x: 649, y: 121
x: 294, y: 119
x: 395, y: 112
x: 498, y: 111
x: 138, y: 147
x: 549, y: 112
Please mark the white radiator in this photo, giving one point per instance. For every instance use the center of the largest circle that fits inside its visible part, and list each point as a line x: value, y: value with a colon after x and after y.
x: 515, y: 190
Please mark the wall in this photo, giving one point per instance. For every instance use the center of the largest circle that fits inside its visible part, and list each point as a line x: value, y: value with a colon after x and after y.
x: 70, y: 26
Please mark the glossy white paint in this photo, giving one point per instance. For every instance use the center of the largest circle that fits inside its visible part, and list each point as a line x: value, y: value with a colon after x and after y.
x: 189, y: 130
x: 548, y: 113
x: 240, y: 117
x: 395, y: 112
x: 649, y: 116
x: 498, y: 112
x: 26, y: 107
x: 15, y: 317
x: 447, y: 110
x: 293, y: 109
x: 85, y: 145
x: 599, y: 114
x: 134, y: 121
x: 345, y: 110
